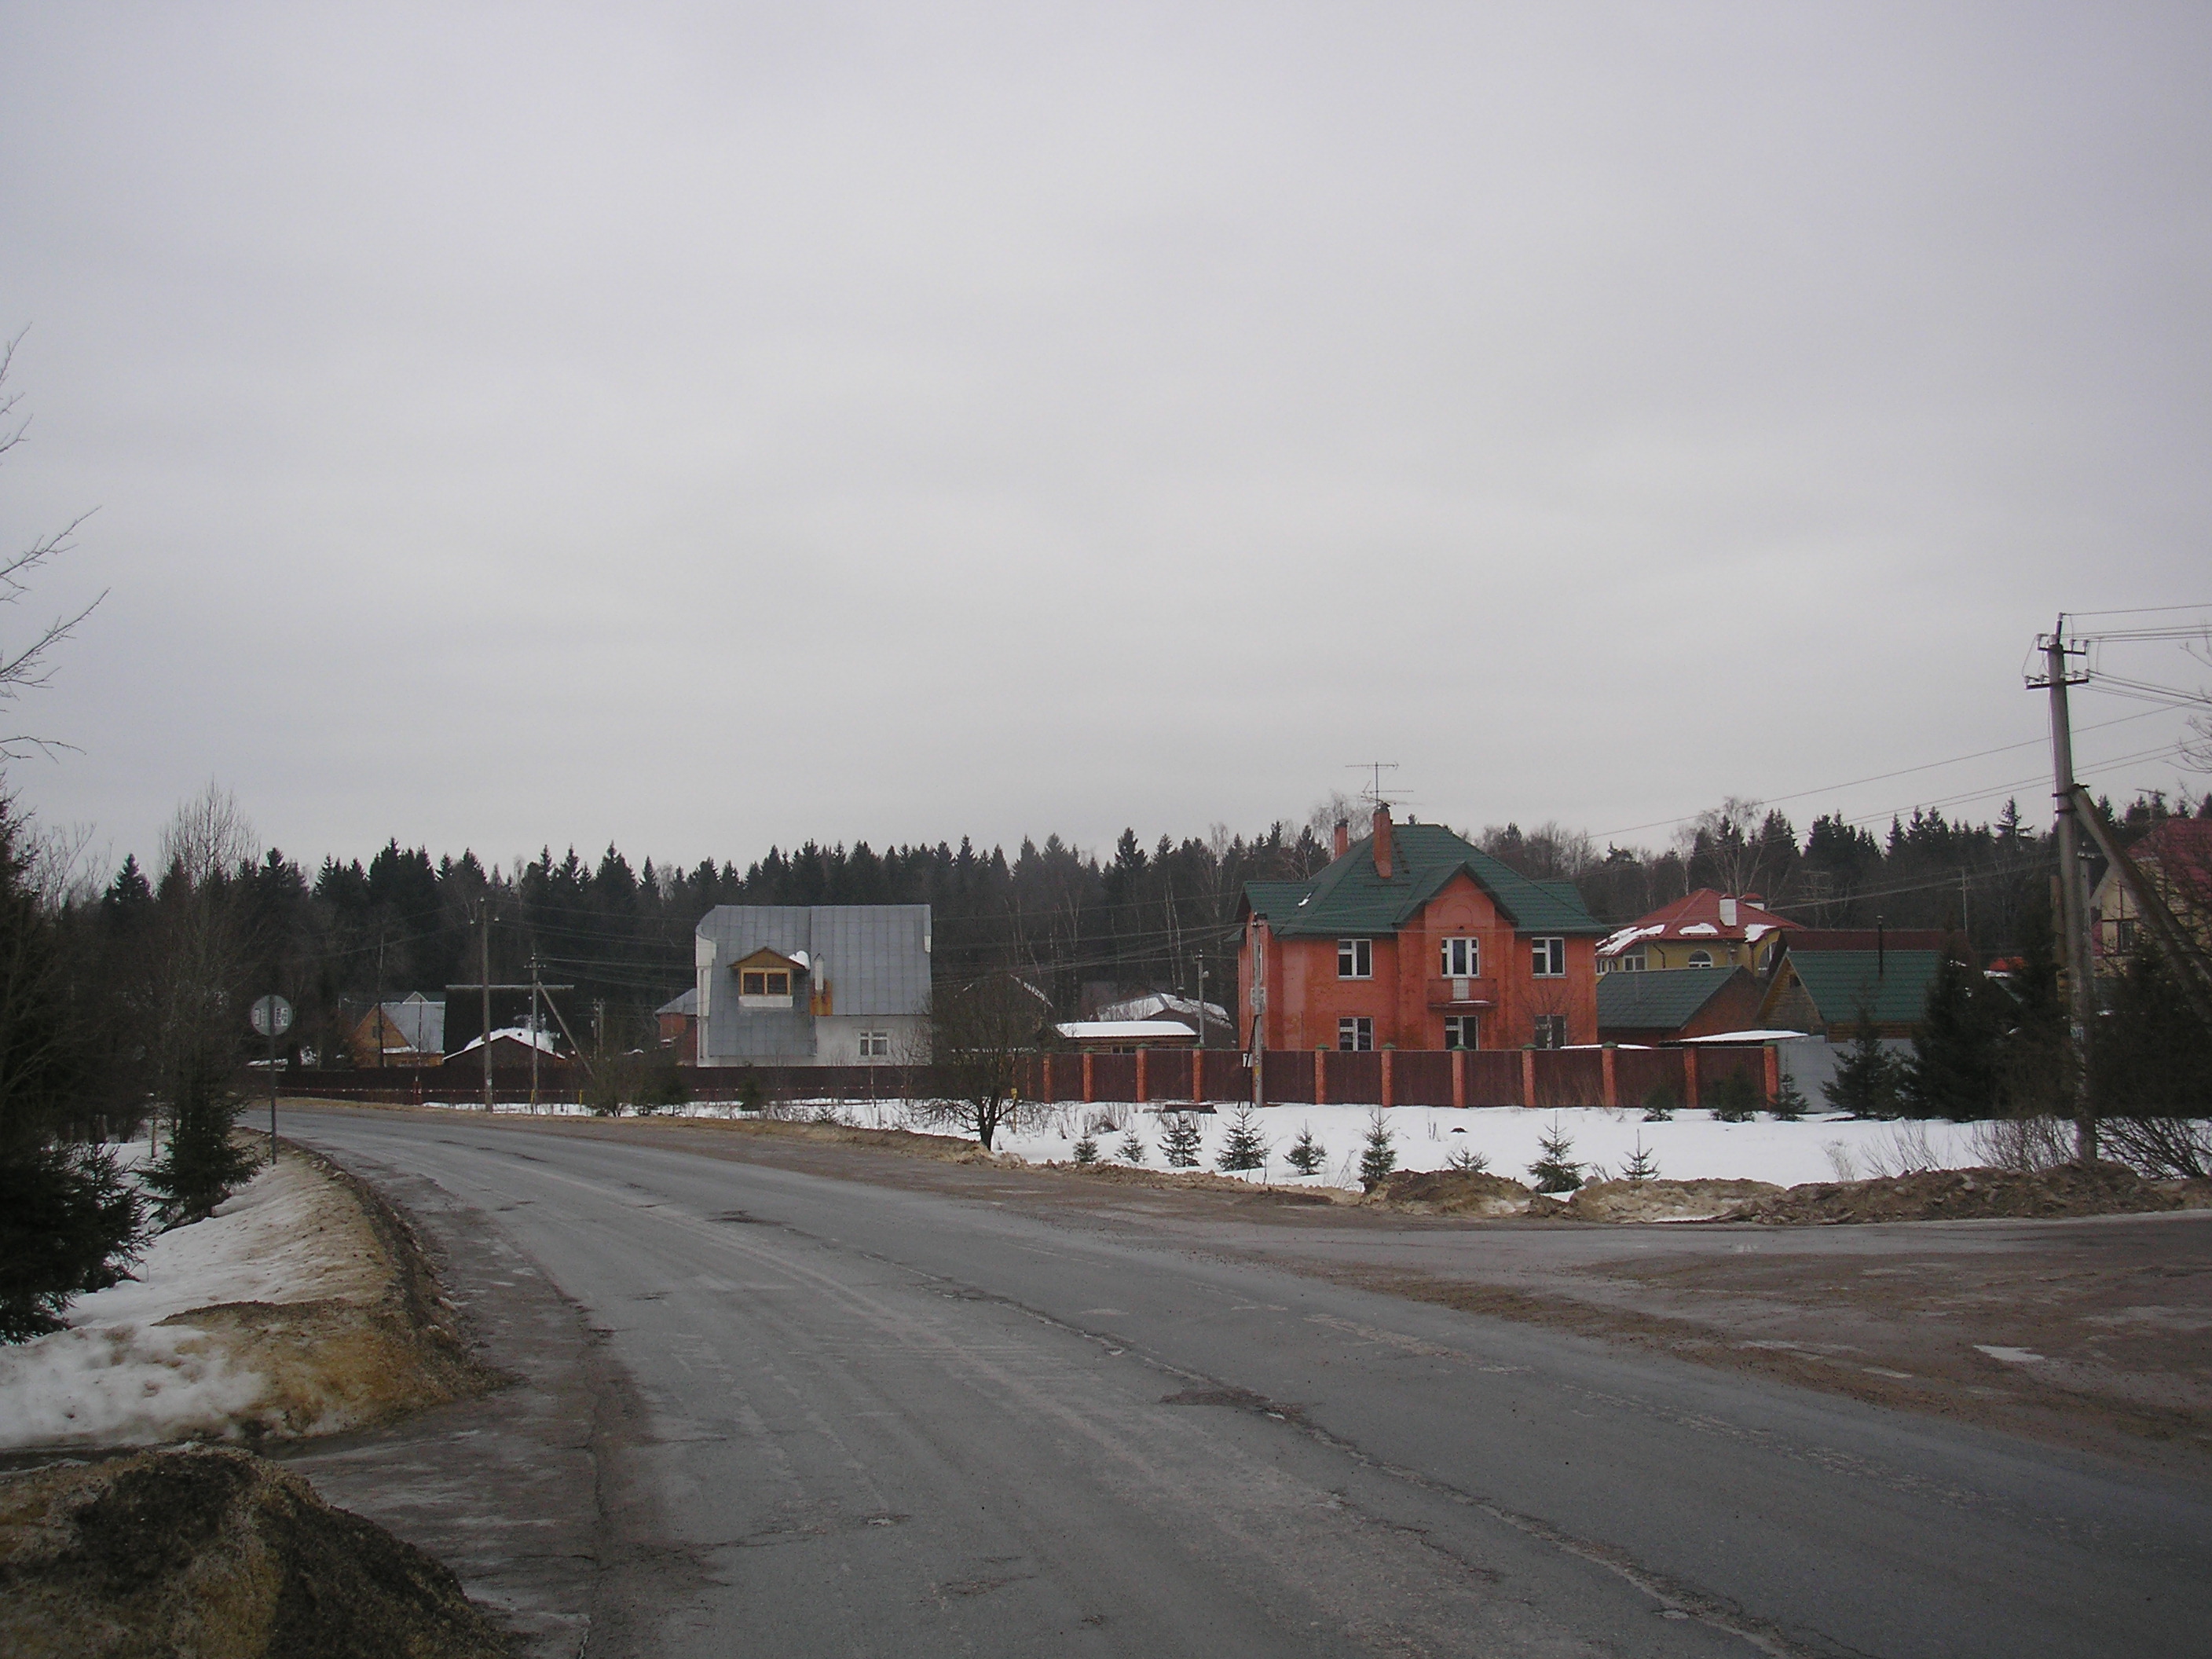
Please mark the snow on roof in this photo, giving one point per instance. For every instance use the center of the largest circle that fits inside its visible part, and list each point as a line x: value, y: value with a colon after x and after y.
x: 1159, y: 1003
x: 521, y: 1034
x: 1699, y: 916
x: 1123, y: 1030
x: 1613, y: 943
x: 1747, y: 1037
x: 1698, y: 930
x: 1757, y: 930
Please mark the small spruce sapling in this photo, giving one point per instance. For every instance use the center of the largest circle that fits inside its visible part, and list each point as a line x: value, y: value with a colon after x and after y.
x: 1086, y: 1150
x: 1469, y: 1160
x: 1554, y: 1170
x: 1378, y: 1157
x: 1659, y: 1105
x: 1179, y: 1141
x: 1243, y: 1148
x: 1788, y: 1103
x: 1132, y: 1149
x: 1306, y: 1155
x: 1733, y: 1099
x: 1642, y: 1165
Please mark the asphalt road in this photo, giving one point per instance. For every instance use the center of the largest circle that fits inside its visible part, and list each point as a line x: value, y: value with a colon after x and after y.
x: 868, y: 1420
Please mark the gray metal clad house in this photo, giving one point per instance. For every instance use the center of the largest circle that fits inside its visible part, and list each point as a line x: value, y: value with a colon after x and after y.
x: 812, y: 985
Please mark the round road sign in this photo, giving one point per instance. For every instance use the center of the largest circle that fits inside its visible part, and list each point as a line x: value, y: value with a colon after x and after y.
x: 271, y: 1017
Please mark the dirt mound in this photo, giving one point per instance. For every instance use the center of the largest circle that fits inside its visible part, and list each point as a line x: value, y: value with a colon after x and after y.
x: 1451, y: 1192
x: 215, y: 1551
x: 1665, y: 1201
x: 1967, y: 1194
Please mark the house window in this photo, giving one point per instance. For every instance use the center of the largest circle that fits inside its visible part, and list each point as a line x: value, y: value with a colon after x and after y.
x: 761, y: 982
x: 1462, y: 1030
x: 1355, y: 1035
x: 875, y: 1045
x: 1631, y: 964
x: 1551, y: 1031
x: 1548, y: 957
x: 1462, y: 960
x: 1355, y: 958
x: 1701, y: 958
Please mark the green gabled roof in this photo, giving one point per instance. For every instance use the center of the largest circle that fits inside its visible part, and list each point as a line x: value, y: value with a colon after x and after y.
x: 1891, y: 988
x: 1661, y: 999
x: 1348, y: 899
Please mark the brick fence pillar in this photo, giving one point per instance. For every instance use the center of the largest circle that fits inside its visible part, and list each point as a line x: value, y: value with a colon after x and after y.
x: 1090, y: 1092
x: 1459, y: 1078
x: 1389, y: 1093
x: 1142, y: 1076
x: 1527, y: 1077
x: 1773, y: 1074
x: 1197, y: 1077
x: 1320, y: 1077
x: 1690, y: 1079
x: 1044, y: 1078
x: 1606, y: 1058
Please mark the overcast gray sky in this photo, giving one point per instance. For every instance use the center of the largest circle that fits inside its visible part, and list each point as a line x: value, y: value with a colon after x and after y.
x: 702, y: 427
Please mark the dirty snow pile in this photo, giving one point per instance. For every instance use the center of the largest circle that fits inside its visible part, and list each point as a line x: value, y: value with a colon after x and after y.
x: 127, y: 1371
x: 1692, y: 1145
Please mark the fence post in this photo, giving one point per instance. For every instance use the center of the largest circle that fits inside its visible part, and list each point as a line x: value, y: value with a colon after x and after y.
x: 1143, y: 1095
x: 1528, y: 1076
x: 1320, y: 1077
x: 1198, y: 1077
x: 1773, y: 1074
x: 1459, y: 1078
x: 1044, y: 1089
x: 1388, y: 1093
x: 1612, y: 1077
x: 1690, y: 1077
x: 1089, y: 1093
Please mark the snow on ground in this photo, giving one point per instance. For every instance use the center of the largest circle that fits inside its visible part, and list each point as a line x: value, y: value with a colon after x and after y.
x: 118, y: 1375
x: 1693, y: 1145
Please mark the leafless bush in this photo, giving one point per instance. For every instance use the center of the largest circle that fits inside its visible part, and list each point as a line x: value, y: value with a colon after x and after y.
x: 2163, y: 1148
x: 1904, y: 1150
x: 1840, y: 1160
x: 2023, y: 1144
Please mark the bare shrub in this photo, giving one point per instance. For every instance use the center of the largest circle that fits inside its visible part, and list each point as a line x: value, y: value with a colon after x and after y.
x: 2023, y: 1144
x: 1904, y: 1150
x: 2163, y: 1148
x: 1840, y: 1160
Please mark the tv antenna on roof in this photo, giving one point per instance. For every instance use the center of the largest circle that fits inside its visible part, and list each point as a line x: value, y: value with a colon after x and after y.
x: 1373, y: 795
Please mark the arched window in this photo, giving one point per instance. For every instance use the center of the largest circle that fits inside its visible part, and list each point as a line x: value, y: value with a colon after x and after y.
x: 1701, y: 958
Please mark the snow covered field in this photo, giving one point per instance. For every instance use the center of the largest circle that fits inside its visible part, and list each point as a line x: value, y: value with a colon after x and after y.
x: 1693, y: 1145
x: 120, y: 1376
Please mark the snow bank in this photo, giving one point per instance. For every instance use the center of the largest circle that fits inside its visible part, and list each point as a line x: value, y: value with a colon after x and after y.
x: 131, y: 1371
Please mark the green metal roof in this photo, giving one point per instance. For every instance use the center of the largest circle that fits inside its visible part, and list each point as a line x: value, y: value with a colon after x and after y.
x: 1891, y: 988
x: 1348, y: 899
x: 1662, y: 999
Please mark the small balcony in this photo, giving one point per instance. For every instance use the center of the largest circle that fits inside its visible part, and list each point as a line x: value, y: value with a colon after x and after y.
x: 1462, y: 992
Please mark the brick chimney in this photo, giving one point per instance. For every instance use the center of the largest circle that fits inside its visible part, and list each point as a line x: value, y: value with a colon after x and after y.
x: 1382, y: 842
x: 1343, y: 843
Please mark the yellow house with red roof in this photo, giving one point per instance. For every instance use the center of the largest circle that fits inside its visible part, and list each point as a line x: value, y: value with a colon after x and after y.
x: 1703, y: 929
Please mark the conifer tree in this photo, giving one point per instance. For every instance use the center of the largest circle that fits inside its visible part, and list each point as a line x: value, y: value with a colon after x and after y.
x: 1243, y: 1148
x: 1554, y: 1170
x: 1086, y: 1150
x: 1180, y: 1140
x: 1378, y: 1157
x: 1957, y: 1058
x: 1659, y: 1104
x: 1733, y: 1099
x: 1868, y: 1078
x: 1469, y: 1160
x: 1642, y: 1165
x: 1132, y: 1149
x: 1306, y: 1155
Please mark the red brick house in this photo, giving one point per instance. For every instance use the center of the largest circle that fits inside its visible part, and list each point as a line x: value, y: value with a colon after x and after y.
x: 1415, y: 938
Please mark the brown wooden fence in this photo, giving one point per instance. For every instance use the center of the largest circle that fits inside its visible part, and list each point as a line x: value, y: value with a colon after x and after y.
x: 1548, y: 1078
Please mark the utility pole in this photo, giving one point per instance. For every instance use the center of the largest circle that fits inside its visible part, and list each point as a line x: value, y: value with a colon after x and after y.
x: 2073, y: 901
x: 484, y: 978
x: 534, y: 1034
x: 1201, y: 998
x: 379, y: 996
